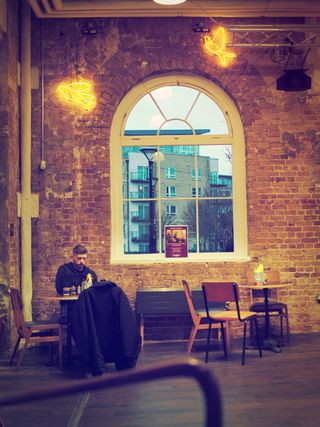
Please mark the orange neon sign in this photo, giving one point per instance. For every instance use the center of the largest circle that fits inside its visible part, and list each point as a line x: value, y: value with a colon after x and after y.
x: 216, y: 44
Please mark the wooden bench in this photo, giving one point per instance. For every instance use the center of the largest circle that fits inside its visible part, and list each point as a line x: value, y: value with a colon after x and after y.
x: 164, y: 301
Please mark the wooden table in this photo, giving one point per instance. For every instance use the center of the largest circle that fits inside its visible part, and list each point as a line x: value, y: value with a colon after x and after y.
x: 58, y: 298
x: 269, y: 343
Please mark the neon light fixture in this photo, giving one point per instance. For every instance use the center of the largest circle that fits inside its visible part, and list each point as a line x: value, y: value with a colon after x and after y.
x: 216, y: 44
x: 169, y: 2
x: 79, y: 93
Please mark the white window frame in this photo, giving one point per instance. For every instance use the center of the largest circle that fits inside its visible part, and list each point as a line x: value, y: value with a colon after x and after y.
x: 171, y: 191
x: 193, y: 174
x: 235, y: 138
x: 171, y: 210
x: 194, y: 192
x: 171, y: 172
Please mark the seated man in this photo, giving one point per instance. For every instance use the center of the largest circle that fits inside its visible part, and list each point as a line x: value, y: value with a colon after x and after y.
x: 75, y: 272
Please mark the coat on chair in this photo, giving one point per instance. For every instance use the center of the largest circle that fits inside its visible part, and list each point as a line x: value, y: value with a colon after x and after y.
x: 104, y: 328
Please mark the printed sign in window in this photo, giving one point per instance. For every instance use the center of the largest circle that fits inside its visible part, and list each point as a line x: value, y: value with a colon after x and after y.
x: 176, y: 241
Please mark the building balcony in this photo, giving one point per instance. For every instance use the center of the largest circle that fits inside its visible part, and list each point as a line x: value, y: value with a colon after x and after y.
x: 137, y: 177
x: 139, y: 238
x: 135, y: 217
x: 138, y: 195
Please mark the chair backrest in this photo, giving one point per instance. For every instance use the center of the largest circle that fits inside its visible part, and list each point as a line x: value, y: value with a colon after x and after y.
x: 273, y: 276
x: 17, y: 306
x: 220, y: 292
x: 188, y: 294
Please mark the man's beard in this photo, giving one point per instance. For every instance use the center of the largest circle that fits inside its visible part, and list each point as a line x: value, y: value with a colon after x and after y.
x: 78, y: 267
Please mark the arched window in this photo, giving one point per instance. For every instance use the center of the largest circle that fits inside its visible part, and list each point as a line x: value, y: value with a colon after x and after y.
x: 177, y: 159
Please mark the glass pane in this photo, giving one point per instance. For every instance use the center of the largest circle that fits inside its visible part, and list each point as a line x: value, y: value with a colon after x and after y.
x: 180, y: 159
x: 216, y: 226
x: 140, y: 227
x: 175, y: 101
x: 139, y: 173
x: 176, y: 110
x: 214, y: 171
x: 144, y: 116
x: 196, y: 174
x: 207, y: 115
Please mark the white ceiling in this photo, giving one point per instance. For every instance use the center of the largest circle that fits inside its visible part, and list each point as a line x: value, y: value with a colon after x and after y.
x: 147, y: 8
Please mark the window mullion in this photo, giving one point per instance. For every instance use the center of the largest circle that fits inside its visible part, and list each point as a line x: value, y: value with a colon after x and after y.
x: 158, y: 163
x: 197, y: 201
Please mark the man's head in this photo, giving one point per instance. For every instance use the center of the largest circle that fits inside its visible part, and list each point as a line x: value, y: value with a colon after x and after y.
x: 79, y: 256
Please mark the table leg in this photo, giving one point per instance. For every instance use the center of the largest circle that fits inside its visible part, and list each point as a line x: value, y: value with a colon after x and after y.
x: 69, y: 338
x: 142, y: 329
x: 267, y: 317
x: 268, y: 343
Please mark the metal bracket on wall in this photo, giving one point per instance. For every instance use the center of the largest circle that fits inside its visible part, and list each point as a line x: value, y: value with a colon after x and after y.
x: 281, y: 35
x: 34, y: 206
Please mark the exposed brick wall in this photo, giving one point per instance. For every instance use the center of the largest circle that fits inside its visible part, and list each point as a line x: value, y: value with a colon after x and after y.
x: 9, y: 161
x: 282, y: 171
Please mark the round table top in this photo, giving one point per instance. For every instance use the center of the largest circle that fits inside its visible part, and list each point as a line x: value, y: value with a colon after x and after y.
x: 266, y: 285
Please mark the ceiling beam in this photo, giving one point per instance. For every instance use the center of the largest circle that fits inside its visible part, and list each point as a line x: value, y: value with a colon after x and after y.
x: 191, y: 8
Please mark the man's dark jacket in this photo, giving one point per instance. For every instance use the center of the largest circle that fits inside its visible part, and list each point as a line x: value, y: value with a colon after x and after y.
x: 104, y: 328
x: 67, y: 275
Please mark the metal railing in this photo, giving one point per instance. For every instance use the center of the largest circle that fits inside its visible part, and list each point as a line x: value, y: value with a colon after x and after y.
x: 191, y: 368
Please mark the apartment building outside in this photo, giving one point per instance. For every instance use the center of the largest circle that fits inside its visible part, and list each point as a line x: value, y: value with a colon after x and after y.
x: 170, y: 198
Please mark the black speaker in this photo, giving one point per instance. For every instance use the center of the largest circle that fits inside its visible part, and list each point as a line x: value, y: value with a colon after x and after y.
x: 294, y: 81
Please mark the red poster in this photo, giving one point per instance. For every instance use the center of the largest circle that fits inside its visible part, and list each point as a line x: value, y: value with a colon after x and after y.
x: 176, y: 241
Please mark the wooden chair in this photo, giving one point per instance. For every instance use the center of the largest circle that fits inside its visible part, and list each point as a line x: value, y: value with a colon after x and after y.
x: 33, y: 332
x: 200, y: 319
x: 276, y: 308
x: 227, y: 291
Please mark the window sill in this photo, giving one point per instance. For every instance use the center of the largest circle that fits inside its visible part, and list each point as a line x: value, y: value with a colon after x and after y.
x: 199, y: 258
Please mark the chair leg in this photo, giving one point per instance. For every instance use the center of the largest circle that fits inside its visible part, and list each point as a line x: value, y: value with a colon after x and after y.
x: 208, y: 343
x: 60, y: 349
x: 258, y: 335
x: 192, y: 338
x: 223, y: 339
x: 227, y: 336
x: 24, y: 348
x: 21, y: 355
x: 286, y: 315
x: 15, y: 350
x: 281, y: 325
x: 51, y: 353
x: 244, y: 342
x: 52, y: 349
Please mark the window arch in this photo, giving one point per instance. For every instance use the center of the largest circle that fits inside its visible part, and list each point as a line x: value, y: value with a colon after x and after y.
x: 177, y: 158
